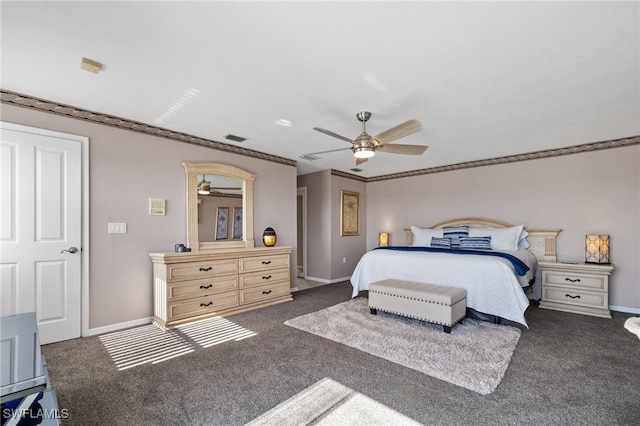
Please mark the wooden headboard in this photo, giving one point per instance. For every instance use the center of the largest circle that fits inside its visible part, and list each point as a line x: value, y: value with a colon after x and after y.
x: 542, y: 242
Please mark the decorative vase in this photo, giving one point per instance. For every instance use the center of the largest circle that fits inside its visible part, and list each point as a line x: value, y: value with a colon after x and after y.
x: 269, y: 237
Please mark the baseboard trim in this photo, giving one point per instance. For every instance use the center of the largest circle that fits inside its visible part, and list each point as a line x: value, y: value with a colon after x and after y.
x: 624, y: 309
x: 326, y: 281
x: 119, y: 326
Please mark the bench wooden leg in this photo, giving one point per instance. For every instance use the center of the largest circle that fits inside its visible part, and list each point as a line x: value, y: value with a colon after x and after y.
x: 374, y: 311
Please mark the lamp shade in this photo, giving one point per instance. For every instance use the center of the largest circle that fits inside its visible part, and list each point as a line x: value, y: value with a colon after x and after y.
x: 597, y: 249
x: 383, y: 239
x: 269, y: 237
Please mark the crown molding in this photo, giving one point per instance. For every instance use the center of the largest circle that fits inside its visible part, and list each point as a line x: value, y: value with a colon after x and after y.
x: 557, y: 152
x: 348, y: 175
x: 30, y: 102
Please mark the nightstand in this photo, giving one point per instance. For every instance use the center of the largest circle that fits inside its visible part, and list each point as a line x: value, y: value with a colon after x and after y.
x: 581, y: 288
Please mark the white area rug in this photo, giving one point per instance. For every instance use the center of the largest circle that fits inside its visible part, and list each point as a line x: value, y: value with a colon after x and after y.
x: 475, y: 355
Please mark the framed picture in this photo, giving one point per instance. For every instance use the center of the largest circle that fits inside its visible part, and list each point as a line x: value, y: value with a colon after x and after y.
x: 237, y: 222
x: 349, y: 213
x: 222, y: 222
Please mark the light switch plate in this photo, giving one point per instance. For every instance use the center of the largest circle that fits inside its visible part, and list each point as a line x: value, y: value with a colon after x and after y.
x: 117, y: 228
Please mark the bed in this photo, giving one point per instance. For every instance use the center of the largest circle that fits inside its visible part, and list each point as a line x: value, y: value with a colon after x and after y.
x: 497, y: 285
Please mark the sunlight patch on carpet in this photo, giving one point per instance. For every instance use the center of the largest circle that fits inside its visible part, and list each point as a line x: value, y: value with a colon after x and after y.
x: 328, y: 402
x: 150, y: 345
x: 475, y: 355
x: 214, y: 331
x: 144, y: 345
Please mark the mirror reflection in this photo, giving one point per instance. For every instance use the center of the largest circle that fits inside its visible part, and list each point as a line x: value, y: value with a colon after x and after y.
x: 219, y: 208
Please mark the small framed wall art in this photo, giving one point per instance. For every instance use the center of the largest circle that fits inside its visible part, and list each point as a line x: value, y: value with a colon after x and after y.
x: 237, y: 222
x: 349, y: 213
x: 222, y: 222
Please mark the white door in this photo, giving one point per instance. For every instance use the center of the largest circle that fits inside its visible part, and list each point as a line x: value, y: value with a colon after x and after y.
x: 41, y: 228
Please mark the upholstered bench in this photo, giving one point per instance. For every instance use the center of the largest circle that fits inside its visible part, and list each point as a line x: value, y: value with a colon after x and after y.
x: 427, y: 302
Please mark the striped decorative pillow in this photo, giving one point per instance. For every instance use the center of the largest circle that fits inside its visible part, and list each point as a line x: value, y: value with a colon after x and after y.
x: 455, y: 233
x: 441, y: 242
x: 475, y: 243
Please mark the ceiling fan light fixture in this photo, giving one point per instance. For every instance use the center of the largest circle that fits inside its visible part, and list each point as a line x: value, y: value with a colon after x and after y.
x: 204, y: 187
x: 363, y: 152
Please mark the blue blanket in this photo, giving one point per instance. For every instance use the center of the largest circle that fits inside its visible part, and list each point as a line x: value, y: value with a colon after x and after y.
x: 520, y: 267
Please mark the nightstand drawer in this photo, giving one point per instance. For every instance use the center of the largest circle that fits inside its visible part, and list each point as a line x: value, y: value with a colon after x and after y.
x: 578, y: 280
x: 571, y: 296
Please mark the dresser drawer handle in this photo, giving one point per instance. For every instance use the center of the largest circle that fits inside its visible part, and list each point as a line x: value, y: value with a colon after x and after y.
x: 206, y: 269
x: 268, y: 277
x: 204, y: 287
x: 266, y: 262
x: 204, y: 305
x: 572, y: 297
x: 266, y: 292
x: 577, y: 280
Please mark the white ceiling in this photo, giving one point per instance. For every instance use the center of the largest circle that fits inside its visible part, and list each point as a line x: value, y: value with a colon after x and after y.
x: 485, y: 79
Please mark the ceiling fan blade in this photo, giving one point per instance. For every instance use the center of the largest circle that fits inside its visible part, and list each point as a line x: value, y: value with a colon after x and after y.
x: 393, y: 148
x: 401, y: 130
x: 360, y: 161
x: 335, y: 135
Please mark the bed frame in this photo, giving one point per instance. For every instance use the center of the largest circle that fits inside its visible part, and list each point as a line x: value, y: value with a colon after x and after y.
x: 542, y: 242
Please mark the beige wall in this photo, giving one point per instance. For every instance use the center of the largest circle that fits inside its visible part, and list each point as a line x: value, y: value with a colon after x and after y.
x: 350, y: 248
x: 595, y: 192
x: 318, y: 224
x: 128, y: 168
x: 331, y: 257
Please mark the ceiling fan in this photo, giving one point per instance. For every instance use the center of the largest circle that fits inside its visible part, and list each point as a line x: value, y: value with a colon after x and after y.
x: 365, y: 146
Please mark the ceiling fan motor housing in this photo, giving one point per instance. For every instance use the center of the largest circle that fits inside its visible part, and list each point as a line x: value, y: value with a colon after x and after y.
x: 361, y: 146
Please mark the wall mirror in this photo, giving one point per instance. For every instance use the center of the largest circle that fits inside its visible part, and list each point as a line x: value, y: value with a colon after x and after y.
x: 219, y: 206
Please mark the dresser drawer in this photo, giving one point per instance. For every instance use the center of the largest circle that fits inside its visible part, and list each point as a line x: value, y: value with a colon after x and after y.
x: 202, y: 305
x: 203, y: 269
x: 265, y: 292
x: 262, y: 278
x: 586, y: 281
x: 202, y: 287
x: 572, y: 296
x: 261, y: 263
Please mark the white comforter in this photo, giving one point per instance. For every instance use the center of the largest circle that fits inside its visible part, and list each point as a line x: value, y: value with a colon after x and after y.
x: 492, y: 285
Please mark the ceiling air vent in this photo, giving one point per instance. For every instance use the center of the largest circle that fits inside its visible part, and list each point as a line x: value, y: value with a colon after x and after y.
x: 235, y: 138
x: 309, y: 157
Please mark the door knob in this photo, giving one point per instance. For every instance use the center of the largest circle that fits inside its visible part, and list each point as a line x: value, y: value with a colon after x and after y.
x: 71, y: 250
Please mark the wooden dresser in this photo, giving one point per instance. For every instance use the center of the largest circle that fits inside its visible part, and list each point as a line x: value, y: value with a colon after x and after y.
x: 197, y: 285
x: 581, y: 288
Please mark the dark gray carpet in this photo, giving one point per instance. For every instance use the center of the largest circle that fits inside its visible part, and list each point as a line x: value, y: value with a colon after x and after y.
x: 567, y: 369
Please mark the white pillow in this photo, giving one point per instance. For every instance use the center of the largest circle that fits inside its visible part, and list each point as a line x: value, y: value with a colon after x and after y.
x: 501, y: 238
x: 523, y: 243
x: 422, y: 237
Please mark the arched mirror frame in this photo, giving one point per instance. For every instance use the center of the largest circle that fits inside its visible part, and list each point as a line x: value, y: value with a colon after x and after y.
x: 192, y: 171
